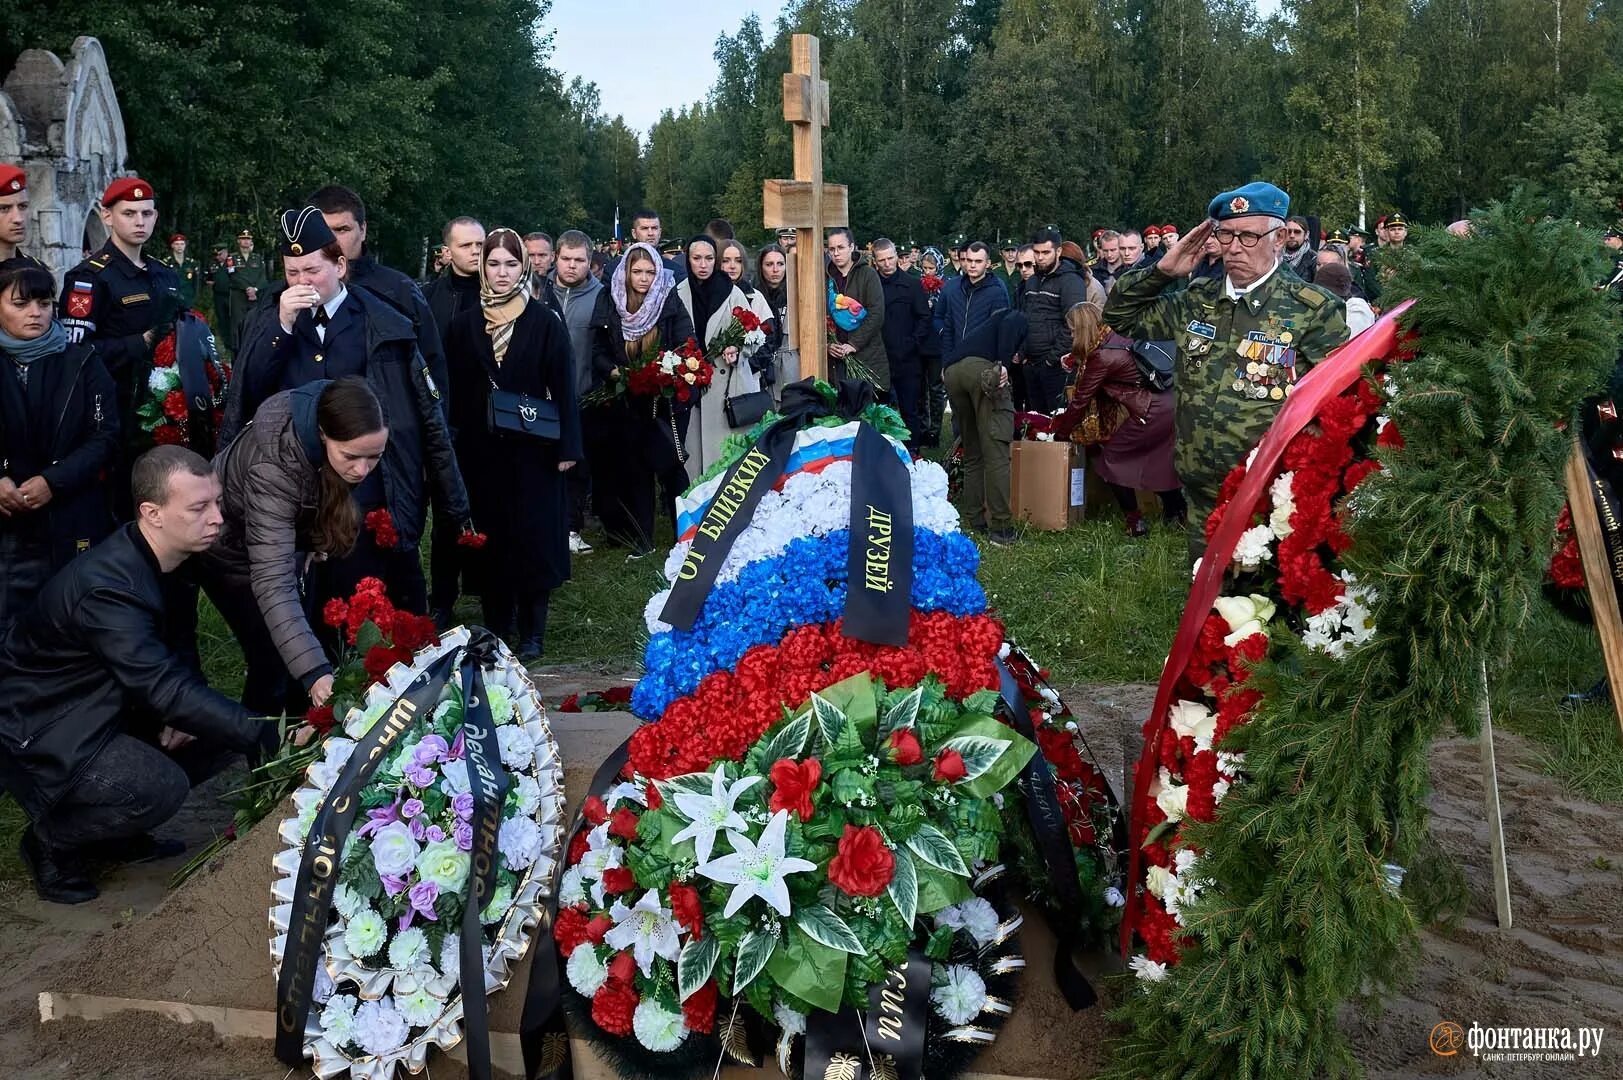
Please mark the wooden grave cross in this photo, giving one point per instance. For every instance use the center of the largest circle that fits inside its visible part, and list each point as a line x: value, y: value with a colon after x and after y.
x: 807, y: 205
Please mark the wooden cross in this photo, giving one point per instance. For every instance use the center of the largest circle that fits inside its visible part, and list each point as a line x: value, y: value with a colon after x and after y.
x: 806, y: 204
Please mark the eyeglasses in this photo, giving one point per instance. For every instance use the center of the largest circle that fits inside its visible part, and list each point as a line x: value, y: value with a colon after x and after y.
x: 1027, y: 265
x: 1246, y: 239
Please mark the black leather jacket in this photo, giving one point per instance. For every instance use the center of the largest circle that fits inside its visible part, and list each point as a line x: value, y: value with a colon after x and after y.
x: 91, y: 648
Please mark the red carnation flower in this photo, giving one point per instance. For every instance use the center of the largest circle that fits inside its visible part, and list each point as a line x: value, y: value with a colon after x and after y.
x: 598, y: 929
x: 949, y: 767
x: 578, y: 847
x: 618, y: 880
x: 613, y: 1005
x: 623, y: 824
x: 334, y: 614
x: 594, y: 810
x: 168, y: 435
x: 904, y: 747
x: 570, y: 704
x: 699, y: 1011
x: 379, y: 659
x: 863, y: 865
x: 174, y: 405
x: 655, y: 799
x: 320, y: 717
x: 569, y: 931
x: 793, y: 784
x: 686, y: 908
x: 622, y: 968
x: 475, y: 540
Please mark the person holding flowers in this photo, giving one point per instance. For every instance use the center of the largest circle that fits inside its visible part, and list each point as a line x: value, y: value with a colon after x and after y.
x: 710, y: 298
x: 516, y: 481
x: 289, y: 500
x: 652, y: 431
x: 58, y: 435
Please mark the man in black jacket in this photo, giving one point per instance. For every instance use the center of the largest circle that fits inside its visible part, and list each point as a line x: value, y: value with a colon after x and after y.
x: 909, y: 337
x: 89, y: 665
x: 1055, y: 288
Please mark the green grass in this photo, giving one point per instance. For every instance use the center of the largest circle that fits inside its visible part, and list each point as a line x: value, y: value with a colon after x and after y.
x: 1091, y: 604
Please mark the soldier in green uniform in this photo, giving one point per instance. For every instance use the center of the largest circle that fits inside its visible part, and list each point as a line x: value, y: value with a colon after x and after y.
x: 248, y: 277
x: 1244, y: 339
x: 187, y: 272
x: 220, y: 286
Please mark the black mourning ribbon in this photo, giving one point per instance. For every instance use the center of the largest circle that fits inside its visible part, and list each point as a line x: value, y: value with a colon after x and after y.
x: 898, y: 1013
x: 1053, y: 844
x: 1601, y: 468
x: 194, y: 351
x: 879, y: 565
x: 488, y: 782
x: 745, y: 481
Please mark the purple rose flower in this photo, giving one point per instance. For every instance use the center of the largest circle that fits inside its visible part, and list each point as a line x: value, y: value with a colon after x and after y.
x: 422, y: 897
x: 411, y: 808
x: 377, y: 819
x: 432, y: 748
x: 393, y: 885
x: 462, y: 806
x: 464, y: 835
x: 458, y: 746
x: 435, y: 834
x: 419, y: 776
x: 419, y: 829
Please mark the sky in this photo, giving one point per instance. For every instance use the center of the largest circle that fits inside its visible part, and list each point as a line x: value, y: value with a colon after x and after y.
x: 669, y: 46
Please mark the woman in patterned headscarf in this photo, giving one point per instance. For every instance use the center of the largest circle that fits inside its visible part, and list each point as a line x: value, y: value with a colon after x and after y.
x: 515, y: 481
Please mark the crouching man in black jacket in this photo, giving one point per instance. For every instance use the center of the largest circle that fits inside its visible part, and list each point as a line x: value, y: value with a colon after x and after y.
x: 86, y: 668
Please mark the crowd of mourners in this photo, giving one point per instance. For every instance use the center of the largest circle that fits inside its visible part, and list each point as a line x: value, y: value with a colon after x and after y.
x: 490, y: 413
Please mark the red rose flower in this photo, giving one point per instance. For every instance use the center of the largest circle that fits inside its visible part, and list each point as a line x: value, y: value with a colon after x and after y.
x: 320, y: 717
x: 594, y: 810
x: 793, y: 783
x: 949, y: 767
x: 623, y: 824
x: 699, y: 1011
x: 686, y: 908
x: 863, y: 865
x: 570, y: 930
x: 622, y: 968
x: 613, y: 1005
x: 618, y: 880
x: 904, y: 747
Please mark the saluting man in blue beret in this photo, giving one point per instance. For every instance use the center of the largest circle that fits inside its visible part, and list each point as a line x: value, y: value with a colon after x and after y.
x: 1243, y: 339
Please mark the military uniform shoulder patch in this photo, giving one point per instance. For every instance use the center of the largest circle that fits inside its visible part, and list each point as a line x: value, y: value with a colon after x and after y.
x: 1312, y: 297
x: 97, y: 263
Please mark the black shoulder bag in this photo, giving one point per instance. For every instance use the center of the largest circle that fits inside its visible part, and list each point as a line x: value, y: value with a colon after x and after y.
x: 518, y: 415
x: 1156, y: 364
x: 745, y: 410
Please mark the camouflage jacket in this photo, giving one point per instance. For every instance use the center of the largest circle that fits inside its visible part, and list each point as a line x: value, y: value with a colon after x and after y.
x: 1237, y: 359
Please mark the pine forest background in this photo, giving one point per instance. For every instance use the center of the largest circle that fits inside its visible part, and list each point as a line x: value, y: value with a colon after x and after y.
x: 981, y: 116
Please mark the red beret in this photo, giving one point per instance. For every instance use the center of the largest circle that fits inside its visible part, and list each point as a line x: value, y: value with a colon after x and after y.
x: 177, y: 236
x: 12, y: 179
x: 1152, y: 230
x: 126, y: 187
x: 1173, y: 229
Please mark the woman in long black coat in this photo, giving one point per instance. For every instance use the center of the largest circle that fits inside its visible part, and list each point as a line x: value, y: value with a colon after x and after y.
x: 58, y: 435
x: 515, y: 482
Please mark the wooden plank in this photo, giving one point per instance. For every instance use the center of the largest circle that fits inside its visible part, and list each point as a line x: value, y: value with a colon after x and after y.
x: 800, y: 104
x: 787, y: 204
x: 810, y: 303
x: 1597, y: 574
x: 1490, y: 796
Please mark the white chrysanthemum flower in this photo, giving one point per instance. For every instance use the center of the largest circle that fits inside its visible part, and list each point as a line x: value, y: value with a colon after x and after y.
x: 324, y: 773
x: 379, y: 1027
x: 338, y: 1019
x: 656, y: 1027
x: 571, y: 888
x: 959, y: 993
x: 1284, y: 504
x: 500, y: 900
x: 1147, y: 969
x: 357, y: 724
x: 409, y: 950
x: 419, y: 1008
x: 1253, y: 550
x: 792, y: 1021
x: 974, y: 915
x: 365, y: 934
x: 519, y: 842
x: 518, y: 749
x: 527, y: 793
x: 1219, y: 789
x: 586, y: 970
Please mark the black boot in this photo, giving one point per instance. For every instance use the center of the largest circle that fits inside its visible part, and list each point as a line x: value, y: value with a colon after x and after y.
x: 58, y: 877
x: 532, y: 627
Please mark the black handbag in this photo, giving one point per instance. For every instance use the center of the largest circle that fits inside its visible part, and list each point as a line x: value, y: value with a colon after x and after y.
x: 745, y: 410
x: 517, y: 414
x: 1156, y: 366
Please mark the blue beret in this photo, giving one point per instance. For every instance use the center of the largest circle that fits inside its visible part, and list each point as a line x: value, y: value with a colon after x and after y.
x: 1257, y: 197
x: 304, y: 231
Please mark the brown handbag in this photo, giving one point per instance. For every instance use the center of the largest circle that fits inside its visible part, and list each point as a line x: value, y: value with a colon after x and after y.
x: 1101, y: 417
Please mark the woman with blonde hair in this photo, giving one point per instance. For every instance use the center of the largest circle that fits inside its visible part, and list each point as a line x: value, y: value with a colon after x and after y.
x: 1137, y: 455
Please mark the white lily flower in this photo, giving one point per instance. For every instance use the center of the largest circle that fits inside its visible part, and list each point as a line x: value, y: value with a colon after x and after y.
x: 647, y: 930
x: 757, y: 869
x: 709, y: 814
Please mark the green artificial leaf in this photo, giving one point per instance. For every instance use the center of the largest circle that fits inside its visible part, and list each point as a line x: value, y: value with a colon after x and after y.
x: 1004, y: 768
x: 649, y: 864
x: 903, y: 889
x: 856, y: 699
x: 1161, y: 829
x: 823, y: 926
x: 694, y: 965
x: 698, y: 783
x: 938, y: 890
x: 929, y: 844
x: 830, y: 720
x: 789, y: 741
x: 809, y: 969
x: 847, y: 750
x: 982, y: 701
x: 759, y: 995
x: 939, y: 945
x: 979, y: 753
x: 753, y: 953
x: 903, y: 714
x: 848, y: 785
x: 367, y: 637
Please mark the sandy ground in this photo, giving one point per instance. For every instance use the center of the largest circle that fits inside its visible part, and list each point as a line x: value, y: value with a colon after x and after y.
x: 1561, y: 965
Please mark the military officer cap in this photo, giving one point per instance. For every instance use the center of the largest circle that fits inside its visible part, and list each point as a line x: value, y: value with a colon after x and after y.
x: 959, y: 241
x: 1257, y: 197
x: 304, y: 231
x: 1337, y: 236
x: 126, y: 187
x: 672, y: 247
x: 12, y: 179
x: 1355, y: 230
x: 1009, y: 245
x: 246, y: 234
x: 1396, y: 219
